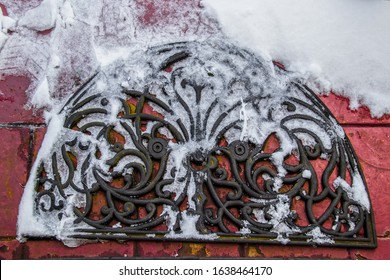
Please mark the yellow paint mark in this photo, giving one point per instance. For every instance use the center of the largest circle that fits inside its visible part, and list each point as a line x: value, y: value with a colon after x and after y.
x: 253, y: 252
x: 8, y: 187
x: 132, y: 108
x: 196, y: 249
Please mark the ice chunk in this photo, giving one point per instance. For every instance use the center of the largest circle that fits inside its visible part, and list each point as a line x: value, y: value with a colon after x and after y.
x: 42, y: 97
x: 42, y: 17
x: 6, y: 24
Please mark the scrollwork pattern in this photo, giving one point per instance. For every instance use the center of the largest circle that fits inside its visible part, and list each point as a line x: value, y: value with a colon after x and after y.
x: 206, y: 137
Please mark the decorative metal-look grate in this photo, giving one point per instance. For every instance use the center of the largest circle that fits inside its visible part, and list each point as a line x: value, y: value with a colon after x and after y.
x: 202, y: 141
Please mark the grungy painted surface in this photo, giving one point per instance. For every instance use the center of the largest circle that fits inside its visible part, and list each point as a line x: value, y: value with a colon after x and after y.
x: 22, y: 132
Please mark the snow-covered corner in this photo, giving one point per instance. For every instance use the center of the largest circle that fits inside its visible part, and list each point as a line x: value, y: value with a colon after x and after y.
x: 29, y: 224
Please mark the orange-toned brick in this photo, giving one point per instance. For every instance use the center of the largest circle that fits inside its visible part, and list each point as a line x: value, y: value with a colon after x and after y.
x: 295, y: 252
x: 39, y: 135
x: 192, y: 250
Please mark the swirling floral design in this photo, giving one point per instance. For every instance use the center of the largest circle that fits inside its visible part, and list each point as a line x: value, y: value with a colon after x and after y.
x: 206, y: 137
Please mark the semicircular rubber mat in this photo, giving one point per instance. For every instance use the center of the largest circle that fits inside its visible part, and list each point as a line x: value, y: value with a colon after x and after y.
x: 197, y: 141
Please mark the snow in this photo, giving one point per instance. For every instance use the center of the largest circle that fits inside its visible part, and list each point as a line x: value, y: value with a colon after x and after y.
x: 6, y: 24
x: 107, y: 56
x: 245, y: 231
x: 187, y: 226
x: 338, y: 45
x: 306, y: 174
x: 3, y: 38
x: 356, y: 192
x: 41, y: 97
x: 318, y: 237
x: 279, y: 213
x: 67, y: 11
x: 41, y: 18
x: 27, y: 221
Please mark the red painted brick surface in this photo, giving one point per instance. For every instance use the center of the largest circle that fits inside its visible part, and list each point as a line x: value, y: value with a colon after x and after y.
x: 224, y: 250
x: 13, y: 100
x: 13, y: 172
x: 39, y: 134
x: 47, y: 249
x: 381, y: 253
x: 156, y: 13
x: 3, y: 9
x: 9, y: 250
x: 149, y: 249
x: 372, y: 146
x: 50, y: 249
x: 295, y: 252
x: 340, y: 108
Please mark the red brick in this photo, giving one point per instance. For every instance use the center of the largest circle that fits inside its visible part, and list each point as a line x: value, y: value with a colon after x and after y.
x: 158, y: 249
x: 9, y: 250
x: 292, y: 252
x: 48, y: 249
x: 3, y: 9
x: 39, y: 135
x: 13, y: 173
x: 165, y: 14
x: 154, y: 12
x: 223, y: 250
x: 372, y: 147
x: 382, y: 252
x: 13, y: 100
x: 339, y: 106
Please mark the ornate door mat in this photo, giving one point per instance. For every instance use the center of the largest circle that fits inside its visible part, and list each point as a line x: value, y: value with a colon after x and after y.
x: 197, y: 141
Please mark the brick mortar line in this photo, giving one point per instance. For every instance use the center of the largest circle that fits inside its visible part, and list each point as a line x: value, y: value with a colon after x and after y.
x: 22, y: 125
x: 350, y: 254
x: 31, y: 146
x: 367, y: 125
